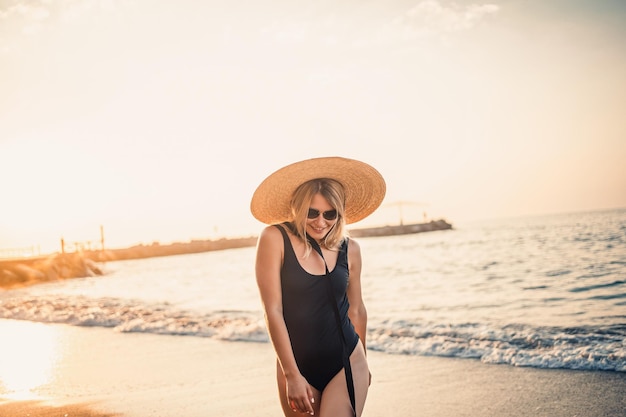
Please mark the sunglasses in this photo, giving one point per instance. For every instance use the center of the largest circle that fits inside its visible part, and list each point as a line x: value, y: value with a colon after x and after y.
x: 328, y: 215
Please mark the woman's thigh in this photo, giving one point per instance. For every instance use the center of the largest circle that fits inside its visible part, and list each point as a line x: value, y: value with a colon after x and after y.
x: 335, y: 399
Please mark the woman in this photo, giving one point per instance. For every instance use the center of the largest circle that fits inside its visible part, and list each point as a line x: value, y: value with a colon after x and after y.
x: 309, y: 278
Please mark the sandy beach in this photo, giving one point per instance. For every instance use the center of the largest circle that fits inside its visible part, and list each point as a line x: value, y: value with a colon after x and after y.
x: 98, y: 372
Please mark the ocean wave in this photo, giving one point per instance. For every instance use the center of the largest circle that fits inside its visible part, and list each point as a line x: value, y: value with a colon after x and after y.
x: 558, y: 272
x: 585, y: 347
x: 608, y: 297
x: 598, y: 286
x: 135, y: 316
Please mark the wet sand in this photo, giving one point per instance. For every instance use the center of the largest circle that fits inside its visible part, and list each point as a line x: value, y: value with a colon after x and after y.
x: 97, y: 372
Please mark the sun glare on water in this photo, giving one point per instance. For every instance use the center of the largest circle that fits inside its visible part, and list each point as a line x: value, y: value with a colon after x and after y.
x: 28, y: 353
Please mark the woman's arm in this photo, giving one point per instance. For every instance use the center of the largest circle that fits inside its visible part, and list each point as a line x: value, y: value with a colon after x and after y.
x: 357, y: 311
x: 269, y: 259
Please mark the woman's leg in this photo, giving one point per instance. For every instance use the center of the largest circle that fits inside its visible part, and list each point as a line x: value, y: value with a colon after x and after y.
x: 335, y: 399
x: 282, y: 394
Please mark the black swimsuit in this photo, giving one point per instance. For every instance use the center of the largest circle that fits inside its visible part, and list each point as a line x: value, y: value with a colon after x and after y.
x: 311, y: 322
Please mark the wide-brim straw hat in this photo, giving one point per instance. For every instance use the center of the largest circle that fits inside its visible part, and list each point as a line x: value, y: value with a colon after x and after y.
x: 364, y: 188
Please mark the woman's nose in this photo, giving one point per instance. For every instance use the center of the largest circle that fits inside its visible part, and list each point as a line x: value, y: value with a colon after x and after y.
x: 320, y: 220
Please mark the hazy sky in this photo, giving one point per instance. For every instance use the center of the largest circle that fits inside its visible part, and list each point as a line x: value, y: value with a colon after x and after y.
x: 158, y: 119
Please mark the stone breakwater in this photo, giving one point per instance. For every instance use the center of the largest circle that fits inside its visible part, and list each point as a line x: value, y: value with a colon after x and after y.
x: 29, y: 271
x: 402, y: 229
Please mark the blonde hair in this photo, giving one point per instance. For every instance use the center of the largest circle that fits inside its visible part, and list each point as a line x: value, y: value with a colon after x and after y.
x: 300, y: 202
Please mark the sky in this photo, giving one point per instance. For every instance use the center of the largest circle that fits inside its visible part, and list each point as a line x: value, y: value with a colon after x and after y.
x: 157, y: 119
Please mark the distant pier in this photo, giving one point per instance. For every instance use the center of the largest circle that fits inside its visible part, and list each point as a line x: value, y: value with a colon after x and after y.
x: 401, y: 229
x: 75, y: 260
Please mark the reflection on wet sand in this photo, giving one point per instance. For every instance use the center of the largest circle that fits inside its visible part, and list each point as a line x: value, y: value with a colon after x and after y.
x: 29, y: 354
x: 39, y: 409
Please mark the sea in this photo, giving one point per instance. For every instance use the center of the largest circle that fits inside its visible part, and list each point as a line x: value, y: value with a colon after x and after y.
x: 542, y: 291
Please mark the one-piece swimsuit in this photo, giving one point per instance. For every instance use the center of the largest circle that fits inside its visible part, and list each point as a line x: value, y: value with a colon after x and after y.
x: 311, y: 322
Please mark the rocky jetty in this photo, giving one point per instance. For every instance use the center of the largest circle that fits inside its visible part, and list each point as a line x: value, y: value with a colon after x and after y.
x: 28, y: 271
x: 402, y: 229
x: 177, y: 248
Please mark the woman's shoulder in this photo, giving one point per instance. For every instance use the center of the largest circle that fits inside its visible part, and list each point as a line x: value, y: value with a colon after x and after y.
x: 271, y: 230
x: 352, y: 245
x: 352, y: 242
x: 277, y: 232
x: 270, y: 242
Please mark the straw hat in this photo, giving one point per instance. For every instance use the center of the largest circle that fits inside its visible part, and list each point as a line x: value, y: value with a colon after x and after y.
x: 363, y: 185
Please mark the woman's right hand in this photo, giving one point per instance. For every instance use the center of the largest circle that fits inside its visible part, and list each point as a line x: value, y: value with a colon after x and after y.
x: 300, y: 395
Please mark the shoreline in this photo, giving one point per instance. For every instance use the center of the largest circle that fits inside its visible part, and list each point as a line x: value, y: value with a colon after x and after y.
x: 99, y: 372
